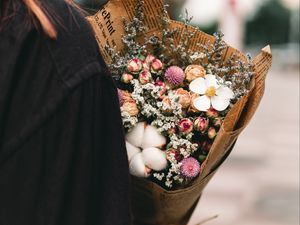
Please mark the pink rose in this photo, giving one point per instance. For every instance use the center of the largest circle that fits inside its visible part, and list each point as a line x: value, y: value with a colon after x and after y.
x: 212, y: 113
x: 185, y: 126
x: 145, y: 66
x: 145, y: 77
x: 212, y: 133
x: 201, y: 124
x: 135, y: 65
x: 150, y: 58
x: 156, y: 65
x: 126, y: 78
x: 163, y: 88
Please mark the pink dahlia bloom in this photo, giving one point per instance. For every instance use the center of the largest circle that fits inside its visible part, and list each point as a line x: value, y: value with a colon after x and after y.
x: 175, y: 76
x: 190, y: 167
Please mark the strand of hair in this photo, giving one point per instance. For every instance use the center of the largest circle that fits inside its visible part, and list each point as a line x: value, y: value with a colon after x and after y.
x: 41, y: 16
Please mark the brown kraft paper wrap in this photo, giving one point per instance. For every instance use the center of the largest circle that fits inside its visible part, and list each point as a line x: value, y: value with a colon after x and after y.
x: 151, y: 204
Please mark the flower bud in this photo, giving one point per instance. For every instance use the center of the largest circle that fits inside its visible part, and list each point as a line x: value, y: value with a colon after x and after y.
x: 201, y: 124
x: 212, y: 133
x: 145, y: 77
x: 126, y: 78
x: 150, y: 58
x: 156, y: 65
x: 134, y: 65
x: 167, y: 105
x: 163, y: 88
x: 145, y: 66
x: 184, y: 98
x: 185, y: 126
x: 212, y: 113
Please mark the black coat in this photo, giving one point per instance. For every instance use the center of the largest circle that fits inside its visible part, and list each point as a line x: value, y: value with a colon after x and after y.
x: 62, y: 153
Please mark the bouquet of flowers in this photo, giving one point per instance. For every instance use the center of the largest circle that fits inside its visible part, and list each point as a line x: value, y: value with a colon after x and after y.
x: 185, y: 96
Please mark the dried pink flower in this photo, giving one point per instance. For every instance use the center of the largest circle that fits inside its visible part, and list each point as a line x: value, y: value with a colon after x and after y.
x: 145, y: 66
x: 201, y: 124
x: 175, y: 76
x: 156, y: 65
x: 212, y: 113
x: 145, y: 77
x: 150, y: 58
x: 163, y: 88
x: 190, y: 168
x: 126, y: 78
x: 185, y: 126
x: 212, y: 133
x: 135, y: 65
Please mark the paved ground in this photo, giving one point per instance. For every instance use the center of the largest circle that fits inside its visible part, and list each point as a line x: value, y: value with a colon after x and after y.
x: 259, y: 183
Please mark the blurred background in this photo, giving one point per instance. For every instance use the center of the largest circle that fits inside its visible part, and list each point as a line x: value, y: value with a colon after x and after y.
x: 259, y: 183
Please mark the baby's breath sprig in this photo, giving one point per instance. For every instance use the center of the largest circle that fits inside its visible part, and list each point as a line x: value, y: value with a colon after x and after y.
x: 240, y: 76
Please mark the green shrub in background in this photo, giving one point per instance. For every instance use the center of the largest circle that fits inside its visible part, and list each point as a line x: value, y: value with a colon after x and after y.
x: 270, y: 25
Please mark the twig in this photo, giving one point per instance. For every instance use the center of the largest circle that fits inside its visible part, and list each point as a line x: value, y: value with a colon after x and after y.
x: 208, y: 219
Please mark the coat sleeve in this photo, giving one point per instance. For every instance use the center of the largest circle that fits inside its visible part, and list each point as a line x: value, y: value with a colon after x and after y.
x: 62, y: 153
x: 113, y: 158
x: 73, y: 170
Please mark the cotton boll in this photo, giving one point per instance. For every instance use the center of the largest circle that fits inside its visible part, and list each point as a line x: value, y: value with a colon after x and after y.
x: 135, y: 136
x: 154, y: 158
x: 131, y: 150
x: 137, y: 166
x: 153, y: 138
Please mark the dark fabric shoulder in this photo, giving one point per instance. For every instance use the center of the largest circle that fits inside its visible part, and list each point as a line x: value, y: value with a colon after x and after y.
x: 37, y: 73
x: 75, y: 48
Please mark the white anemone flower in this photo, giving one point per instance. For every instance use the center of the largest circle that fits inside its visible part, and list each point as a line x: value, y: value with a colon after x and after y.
x: 143, y: 145
x: 211, y: 93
